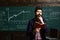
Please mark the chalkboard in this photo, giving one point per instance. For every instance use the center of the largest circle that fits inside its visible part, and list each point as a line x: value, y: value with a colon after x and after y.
x: 52, y: 16
x: 3, y: 19
x: 16, y: 18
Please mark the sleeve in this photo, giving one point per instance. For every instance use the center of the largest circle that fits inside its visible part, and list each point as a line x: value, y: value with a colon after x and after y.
x: 46, y: 27
x: 29, y: 28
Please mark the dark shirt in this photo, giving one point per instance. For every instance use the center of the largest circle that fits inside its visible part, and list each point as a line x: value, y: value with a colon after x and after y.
x: 30, y: 29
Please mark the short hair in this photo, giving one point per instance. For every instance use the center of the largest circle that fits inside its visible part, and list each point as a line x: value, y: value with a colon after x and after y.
x: 38, y: 8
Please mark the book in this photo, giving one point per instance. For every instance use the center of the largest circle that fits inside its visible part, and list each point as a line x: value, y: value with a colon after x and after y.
x: 39, y: 25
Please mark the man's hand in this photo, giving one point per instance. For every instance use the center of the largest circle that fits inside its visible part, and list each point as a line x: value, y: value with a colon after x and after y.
x: 43, y: 24
x: 40, y: 23
x: 38, y: 29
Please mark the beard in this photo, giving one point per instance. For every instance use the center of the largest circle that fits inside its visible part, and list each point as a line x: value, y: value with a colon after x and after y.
x: 38, y: 15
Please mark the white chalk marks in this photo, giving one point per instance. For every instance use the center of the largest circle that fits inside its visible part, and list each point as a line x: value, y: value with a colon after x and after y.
x: 15, y: 15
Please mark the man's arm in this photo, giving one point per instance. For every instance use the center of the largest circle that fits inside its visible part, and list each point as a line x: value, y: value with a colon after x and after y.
x: 46, y: 27
x: 29, y: 28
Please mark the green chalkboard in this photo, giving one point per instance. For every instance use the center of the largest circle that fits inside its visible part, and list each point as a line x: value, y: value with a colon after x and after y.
x: 3, y: 19
x: 16, y: 18
x: 52, y: 16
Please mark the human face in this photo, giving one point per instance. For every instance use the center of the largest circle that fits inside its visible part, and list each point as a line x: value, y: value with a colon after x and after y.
x: 38, y: 13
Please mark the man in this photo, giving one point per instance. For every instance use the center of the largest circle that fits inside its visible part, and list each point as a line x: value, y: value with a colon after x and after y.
x: 36, y: 33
